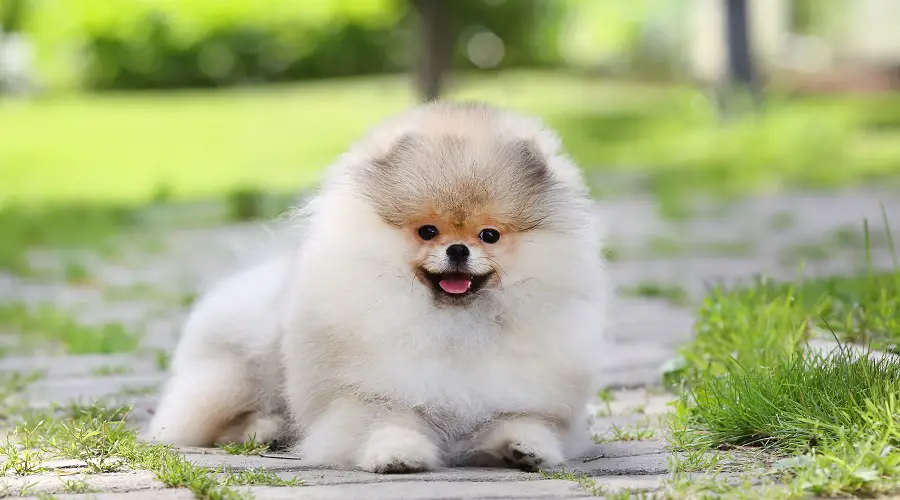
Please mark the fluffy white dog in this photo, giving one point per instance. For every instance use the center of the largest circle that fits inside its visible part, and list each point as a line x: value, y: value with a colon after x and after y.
x: 445, y: 307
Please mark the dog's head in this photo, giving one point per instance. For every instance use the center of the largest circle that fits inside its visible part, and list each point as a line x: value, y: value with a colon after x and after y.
x: 477, y: 203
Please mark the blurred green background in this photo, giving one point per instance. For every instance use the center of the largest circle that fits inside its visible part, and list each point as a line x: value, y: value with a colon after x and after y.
x: 133, y: 101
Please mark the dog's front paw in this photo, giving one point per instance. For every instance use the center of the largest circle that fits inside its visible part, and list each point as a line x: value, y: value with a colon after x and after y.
x: 525, y: 444
x: 393, y: 450
x: 528, y: 457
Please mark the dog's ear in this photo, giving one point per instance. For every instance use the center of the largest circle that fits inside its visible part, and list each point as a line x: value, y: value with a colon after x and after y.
x: 401, y: 149
x: 386, y: 183
x: 529, y: 159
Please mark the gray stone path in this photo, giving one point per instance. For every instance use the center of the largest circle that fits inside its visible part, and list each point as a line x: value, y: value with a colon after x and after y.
x: 147, y: 290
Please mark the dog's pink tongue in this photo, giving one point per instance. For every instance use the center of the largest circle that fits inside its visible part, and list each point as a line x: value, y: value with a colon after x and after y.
x: 455, y: 285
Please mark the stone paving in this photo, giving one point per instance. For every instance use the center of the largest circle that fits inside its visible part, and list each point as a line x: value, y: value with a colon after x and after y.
x: 719, y: 244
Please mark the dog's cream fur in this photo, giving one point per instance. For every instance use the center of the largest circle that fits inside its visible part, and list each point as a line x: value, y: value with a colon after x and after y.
x: 340, y: 348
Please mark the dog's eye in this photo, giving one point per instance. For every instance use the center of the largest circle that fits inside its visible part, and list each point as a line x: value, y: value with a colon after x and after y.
x: 428, y: 232
x: 489, y: 235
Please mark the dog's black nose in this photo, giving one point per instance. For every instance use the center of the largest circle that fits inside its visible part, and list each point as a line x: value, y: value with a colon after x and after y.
x: 458, y: 253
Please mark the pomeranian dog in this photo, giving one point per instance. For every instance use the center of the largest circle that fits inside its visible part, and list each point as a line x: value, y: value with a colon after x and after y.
x: 445, y: 307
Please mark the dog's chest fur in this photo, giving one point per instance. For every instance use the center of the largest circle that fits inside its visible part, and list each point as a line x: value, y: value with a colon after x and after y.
x: 460, y: 386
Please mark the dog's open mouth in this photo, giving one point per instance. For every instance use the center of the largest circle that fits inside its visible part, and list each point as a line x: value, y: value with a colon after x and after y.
x: 455, y: 284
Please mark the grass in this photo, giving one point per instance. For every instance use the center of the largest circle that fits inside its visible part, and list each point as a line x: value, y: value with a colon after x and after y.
x: 110, y: 370
x: 100, y: 437
x: 863, y: 310
x: 138, y: 391
x: 102, y: 226
x: 12, y: 386
x: 665, y: 246
x: 12, y: 383
x: 748, y: 382
x: 76, y: 273
x: 606, y: 397
x: 782, y: 221
x: 796, y: 404
x: 114, y: 152
x: 672, y: 293
x: 163, y: 359
x: 258, y: 477
x: 611, y: 254
x: 141, y: 291
x: 98, y: 442
x: 76, y: 485
x: 807, y: 252
x: 685, y: 487
x: 44, y: 324
x: 22, y: 456
x: 62, y: 227
x: 845, y: 239
x: 729, y: 248
x: 636, y: 433
x: 588, y: 484
x: 250, y: 447
x: 199, y: 144
x: 762, y: 324
x: 136, y: 147
x: 835, y: 421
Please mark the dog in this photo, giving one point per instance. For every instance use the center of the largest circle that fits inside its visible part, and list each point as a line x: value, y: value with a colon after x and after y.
x: 445, y: 307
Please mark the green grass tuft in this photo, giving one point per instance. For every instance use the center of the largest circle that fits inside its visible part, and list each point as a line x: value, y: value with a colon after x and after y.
x: 258, y: 477
x: 835, y: 419
x: 764, y: 323
x: 99, y: 436
x: 23, y: 456
x: 109, y: 370
x: 250, y: 447
x: 76, y: 485
x: 12, y: 386
x: 163, y: 359
x: 794, y: 405
x: 98, y: 439
x: 749, y: 380
x: 62, y: 227
x: 636, y: 433
x: 47, y: 324
x: 672, y: 293
x: 588, y: 484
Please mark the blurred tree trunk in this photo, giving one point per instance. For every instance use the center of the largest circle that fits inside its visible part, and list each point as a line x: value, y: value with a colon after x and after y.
x: 436, y: 46
x: 742, y: 74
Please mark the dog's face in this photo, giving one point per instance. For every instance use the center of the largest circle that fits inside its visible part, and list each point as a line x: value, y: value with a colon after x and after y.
x: 471, y: 211
x: 456, y: 257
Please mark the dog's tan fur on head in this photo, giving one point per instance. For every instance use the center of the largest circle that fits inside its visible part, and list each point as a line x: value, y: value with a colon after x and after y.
x: 445, y: 307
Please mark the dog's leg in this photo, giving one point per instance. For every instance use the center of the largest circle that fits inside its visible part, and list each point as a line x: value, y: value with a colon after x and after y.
x: 350, y: 433
x: 206, y: 401
x: 397, y: 443
x: 527, y: 442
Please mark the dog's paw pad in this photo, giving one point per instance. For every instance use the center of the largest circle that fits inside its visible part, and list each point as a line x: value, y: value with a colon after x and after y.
x: 396, y: 465
x: 522, y: 456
